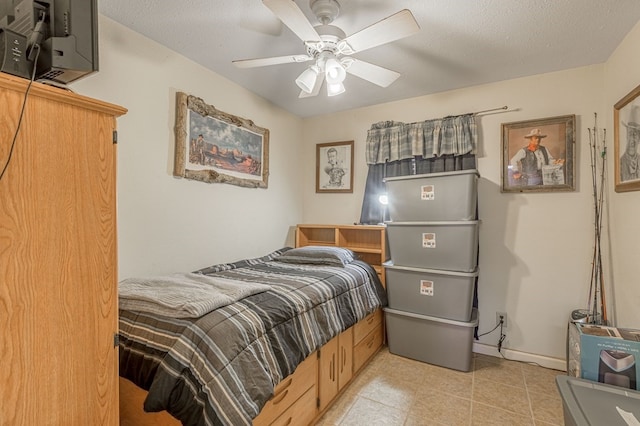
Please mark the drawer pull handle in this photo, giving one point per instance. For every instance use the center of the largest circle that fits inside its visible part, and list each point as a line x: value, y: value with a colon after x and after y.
x: 288, y: 384
x: 370, y: 319
x: 333, y: 367
x: 371, y: 342
x: 278, y: 399
x: 288, y: 422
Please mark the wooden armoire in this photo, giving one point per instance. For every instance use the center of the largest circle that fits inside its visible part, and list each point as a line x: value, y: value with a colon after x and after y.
x: 58, y: 260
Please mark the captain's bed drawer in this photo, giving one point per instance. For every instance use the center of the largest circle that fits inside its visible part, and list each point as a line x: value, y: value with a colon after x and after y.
x: 367, y: 347
x: 364, y: 327
x: 289, y: 390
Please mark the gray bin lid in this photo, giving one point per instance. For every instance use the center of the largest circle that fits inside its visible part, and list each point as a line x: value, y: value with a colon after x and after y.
x: 432, y: 175
x: 389, y: 265
x: 435, y: 223
x: 472, y: 323
x: 593, y: 403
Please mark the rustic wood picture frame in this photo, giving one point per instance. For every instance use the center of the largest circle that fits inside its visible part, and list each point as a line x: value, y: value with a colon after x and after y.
x: 213, y: 146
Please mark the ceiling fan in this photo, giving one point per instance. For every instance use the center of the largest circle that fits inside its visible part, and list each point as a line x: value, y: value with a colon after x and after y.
x: 330, y: 49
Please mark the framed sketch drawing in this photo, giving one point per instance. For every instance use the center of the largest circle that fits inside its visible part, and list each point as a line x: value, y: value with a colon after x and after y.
x: 334, y: 167
x: 539, y: 155
x: 626, y: 134
x: 215, y: 147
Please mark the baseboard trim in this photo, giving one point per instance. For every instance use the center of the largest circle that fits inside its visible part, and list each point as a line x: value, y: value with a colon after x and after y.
x: 544, y: 361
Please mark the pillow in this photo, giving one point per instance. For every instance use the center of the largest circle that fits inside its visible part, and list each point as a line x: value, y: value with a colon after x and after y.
x: 318, y: 255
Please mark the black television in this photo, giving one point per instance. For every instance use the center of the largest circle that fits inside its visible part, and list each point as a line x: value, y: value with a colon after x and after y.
x: 66, y: 30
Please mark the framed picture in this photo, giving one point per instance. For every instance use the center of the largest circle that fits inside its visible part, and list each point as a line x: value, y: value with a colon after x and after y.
x: 215, y: 147
x: 626, y: 135
x: 334, y: 167
x: 539, y: 155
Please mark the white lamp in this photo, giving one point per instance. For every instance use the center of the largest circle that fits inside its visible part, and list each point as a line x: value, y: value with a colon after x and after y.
x: 334, y: 71
x: 307, y: 80
x: 384, y: 200
x: 334, y: 88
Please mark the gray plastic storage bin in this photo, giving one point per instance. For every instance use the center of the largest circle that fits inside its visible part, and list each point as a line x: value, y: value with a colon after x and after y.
x: 434, y: 196
x: 429, y: 339
x: 434, y: 292
x: 591, y: 403
x: 452, y: 246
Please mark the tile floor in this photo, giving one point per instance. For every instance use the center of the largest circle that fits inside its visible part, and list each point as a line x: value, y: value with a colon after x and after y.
x: 393, y: 390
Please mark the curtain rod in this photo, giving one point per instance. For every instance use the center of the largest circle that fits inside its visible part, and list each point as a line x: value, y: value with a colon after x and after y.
x: 473, y: 113
x: 490, y: 110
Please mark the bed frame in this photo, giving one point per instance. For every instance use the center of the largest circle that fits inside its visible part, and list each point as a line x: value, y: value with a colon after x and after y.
x: 300, y: 398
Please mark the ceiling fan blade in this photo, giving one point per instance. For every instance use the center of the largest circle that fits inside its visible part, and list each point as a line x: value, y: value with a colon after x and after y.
x: 262, y: 62
x: 291, y: 15
x: 316, y: 88
x: 383, y: 77
x: 394, y: 27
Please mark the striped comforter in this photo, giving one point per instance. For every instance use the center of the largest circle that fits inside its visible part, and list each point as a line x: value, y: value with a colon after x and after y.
x: 221, y: 368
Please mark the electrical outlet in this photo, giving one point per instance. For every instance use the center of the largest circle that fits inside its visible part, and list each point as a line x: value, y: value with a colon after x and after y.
x: 502, y: 315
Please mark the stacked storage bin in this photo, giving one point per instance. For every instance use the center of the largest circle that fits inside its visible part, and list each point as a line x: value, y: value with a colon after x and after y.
x: 433, y: 244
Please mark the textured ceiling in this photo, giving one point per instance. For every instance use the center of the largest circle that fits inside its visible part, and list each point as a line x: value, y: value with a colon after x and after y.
x: 461, y: 42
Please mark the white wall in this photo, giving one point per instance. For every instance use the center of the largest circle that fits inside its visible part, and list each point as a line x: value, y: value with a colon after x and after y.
x: 167, y: 224
x: 535, y: 248
x: 621, y: 77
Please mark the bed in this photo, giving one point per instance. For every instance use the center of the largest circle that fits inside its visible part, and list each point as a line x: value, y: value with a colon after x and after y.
x: 222, y: 367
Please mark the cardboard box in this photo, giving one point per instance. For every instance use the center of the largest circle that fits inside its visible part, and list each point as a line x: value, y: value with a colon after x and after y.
x: 610, y: 355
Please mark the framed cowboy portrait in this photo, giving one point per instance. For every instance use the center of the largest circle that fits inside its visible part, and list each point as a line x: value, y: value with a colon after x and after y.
x: 626, y: 138
x: 334, y: 167
x: 539, y: 155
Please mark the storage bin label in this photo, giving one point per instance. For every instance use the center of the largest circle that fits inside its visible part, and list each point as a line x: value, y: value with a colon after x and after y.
x: 426, y: 288
x: 428, y: 192
x: 429, y: 240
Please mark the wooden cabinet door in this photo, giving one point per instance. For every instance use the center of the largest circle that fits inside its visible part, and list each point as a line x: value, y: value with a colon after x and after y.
x: 327, y: 372
x: 345, y: 358
x: 58, y: 292
x: 335, y: 368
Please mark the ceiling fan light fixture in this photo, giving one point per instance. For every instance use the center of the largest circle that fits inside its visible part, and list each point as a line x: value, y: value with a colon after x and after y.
x: 307, y: 80
x: 334, y: 89
x: 334, y: 71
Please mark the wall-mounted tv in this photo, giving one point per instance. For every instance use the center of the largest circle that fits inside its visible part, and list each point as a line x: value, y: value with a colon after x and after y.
x: 66, y: 30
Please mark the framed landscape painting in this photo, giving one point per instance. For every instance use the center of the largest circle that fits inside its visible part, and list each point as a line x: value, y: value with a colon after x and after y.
x: 215, y: 147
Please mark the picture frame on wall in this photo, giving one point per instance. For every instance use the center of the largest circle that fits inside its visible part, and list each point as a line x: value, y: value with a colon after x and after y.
x: 213, y: 146
x: 539, y: 155
x: 626, y: 138
x: 334, y: 167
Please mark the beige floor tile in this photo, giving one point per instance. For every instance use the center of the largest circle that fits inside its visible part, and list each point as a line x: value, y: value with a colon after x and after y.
x: 406, y: 369
x: 448, y: 381
x: 540, y: 379
x: 390, y: 390
x: 393, y: 390
x: 507, y: 372
x: 440, y: 407
x: 372, y: 413
x: 541, y: 423
x: 421, y: 421
x: 546, y: 407
x: 484, y: 415
x: 506, y: 397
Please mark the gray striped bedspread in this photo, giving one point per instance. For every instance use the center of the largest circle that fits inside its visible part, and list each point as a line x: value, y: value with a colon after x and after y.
x: 221, y: 368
